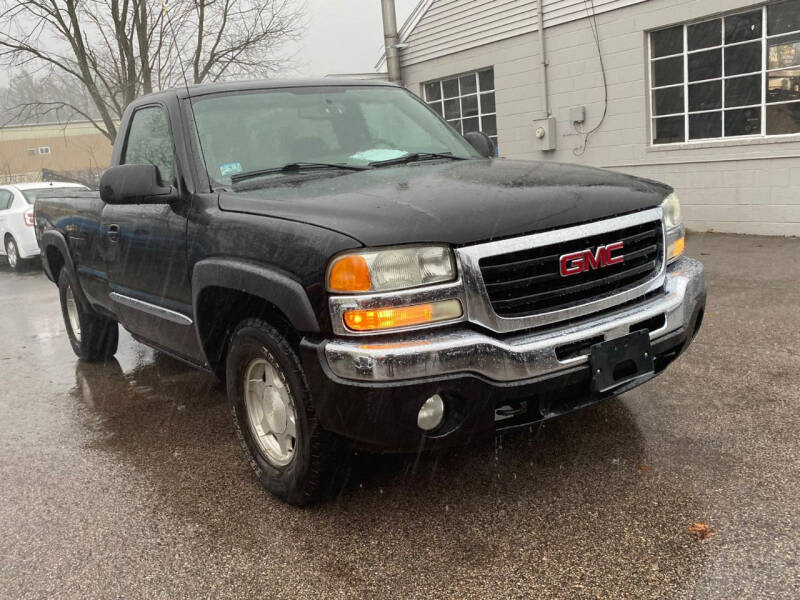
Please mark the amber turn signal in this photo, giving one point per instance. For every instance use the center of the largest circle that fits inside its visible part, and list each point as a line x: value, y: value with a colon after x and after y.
x: 394, y: 317
x: 349, y: 274
x: 677, y: 247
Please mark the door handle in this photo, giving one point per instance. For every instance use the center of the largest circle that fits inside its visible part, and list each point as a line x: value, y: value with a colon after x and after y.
x: 113, y: 233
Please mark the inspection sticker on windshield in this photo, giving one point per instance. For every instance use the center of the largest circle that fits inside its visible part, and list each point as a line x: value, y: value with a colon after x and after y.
x: 230, y: 168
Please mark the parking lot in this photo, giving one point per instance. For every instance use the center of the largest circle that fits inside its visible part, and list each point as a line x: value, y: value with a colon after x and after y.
x: 126, y: 480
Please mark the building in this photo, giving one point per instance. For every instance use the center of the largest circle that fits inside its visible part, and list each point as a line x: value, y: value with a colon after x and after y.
x: 76, y: 150
x: 701, y: 94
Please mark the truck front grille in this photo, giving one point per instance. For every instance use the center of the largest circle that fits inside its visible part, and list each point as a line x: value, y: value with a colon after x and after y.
x: 529, y: 282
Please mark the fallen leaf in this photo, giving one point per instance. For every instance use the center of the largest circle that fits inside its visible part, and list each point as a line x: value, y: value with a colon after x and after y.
x: 645, y: 468
x: 702, y: 530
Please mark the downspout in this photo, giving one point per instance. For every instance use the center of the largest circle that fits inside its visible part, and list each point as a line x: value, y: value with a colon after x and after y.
x: 391, y: 41
x: 543, y: 56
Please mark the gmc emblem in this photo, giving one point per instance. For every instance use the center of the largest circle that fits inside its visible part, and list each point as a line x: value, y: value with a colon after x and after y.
x: 578, y: 262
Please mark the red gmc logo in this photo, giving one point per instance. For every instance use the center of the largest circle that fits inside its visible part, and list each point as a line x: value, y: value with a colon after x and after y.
x: 578, y: 262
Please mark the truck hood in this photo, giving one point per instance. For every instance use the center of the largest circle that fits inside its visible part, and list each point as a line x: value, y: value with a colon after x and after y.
x: 454, y: 202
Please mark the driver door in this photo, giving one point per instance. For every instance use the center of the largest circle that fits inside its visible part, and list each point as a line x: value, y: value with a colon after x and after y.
x: 145, y: 245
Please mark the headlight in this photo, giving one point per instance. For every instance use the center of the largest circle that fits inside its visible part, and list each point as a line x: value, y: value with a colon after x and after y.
x: 672, y: 211
x: 673, y: 222
x: 391, y: 269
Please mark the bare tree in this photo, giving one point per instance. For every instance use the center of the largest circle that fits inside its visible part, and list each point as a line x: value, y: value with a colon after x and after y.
x: 116, y: 50
x: 52, y: 94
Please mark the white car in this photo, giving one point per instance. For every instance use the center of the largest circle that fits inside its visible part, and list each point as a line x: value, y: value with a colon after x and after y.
x: 16, y: 219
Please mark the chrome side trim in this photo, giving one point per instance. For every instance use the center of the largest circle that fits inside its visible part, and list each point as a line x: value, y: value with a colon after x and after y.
x: 479, y: 308
x: 156, y: 311
x: 530, y: 354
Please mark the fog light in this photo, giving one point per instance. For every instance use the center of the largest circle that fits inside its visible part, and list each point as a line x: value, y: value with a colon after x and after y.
x: 431, y: 414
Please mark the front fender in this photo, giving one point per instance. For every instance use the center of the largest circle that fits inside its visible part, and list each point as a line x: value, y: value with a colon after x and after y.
x: 274, y: 286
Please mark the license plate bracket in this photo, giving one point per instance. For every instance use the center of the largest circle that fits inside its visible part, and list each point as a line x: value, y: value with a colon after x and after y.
x: 620, y: 361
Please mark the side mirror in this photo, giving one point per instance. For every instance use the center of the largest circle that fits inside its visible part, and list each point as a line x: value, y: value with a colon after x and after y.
x: 481, y: 142
x: 133, y: 184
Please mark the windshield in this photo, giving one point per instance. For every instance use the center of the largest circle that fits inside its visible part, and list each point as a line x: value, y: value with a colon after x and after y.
x: 32, y: 195
x: 244, y: 132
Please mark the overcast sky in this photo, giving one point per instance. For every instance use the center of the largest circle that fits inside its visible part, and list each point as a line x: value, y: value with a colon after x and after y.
x: 343, y: 36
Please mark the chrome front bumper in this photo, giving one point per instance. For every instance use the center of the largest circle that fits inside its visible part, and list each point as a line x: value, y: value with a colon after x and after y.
x: 433, y: 352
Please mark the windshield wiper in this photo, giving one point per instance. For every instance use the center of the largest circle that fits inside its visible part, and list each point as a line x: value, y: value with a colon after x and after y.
x: 294, y: 168
x: 414, y: 157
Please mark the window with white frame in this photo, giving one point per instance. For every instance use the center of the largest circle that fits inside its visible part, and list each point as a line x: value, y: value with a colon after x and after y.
x: 465, y: 101
x: 730, y: 77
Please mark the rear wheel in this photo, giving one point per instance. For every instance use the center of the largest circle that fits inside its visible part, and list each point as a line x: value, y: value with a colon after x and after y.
x: 12, y: 254
x: 292, y: 456
x: 93, y: 337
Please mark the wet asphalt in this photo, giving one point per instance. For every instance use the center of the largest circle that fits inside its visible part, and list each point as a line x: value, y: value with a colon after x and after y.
x: 126, y: 480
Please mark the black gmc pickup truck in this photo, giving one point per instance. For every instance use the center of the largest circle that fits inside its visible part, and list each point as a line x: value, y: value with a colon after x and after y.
x: 356, y: 270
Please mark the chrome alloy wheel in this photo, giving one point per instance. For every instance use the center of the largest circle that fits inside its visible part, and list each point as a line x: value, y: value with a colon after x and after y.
x: 271, y: 413
x: 72, y: 314
x: 11, y: 254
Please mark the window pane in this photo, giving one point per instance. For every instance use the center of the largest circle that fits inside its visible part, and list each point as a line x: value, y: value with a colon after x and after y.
x: 739, y: 28
x: 452, y: 109
x: 450, y: 87
x: 437, y: 106
x: 668, y: 130
x: 705, y: 125
x: 487, y: 103
x: 667, y: 41
x: 743, y: 59
x: 433, y: 91
x: 469, y: 106
x: 743, y: 121
x: 705, y: 96
x: 783, y: 118
x: 784, y: 52
x: 668, y: 101
x: 704, y: 35
x: 783, y: 85
x: 486, y: 80
x: 783, y: 17
x: 667, y: 71
x: 455, y: 125
x: 489, y: 125
x: 743, y: 91
x: 471, y: 125
x: 705, y: 65
x: 149, y: 142
x: 468, y: 84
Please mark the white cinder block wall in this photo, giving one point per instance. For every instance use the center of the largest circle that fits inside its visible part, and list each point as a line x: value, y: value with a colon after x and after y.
x: 730, y: 186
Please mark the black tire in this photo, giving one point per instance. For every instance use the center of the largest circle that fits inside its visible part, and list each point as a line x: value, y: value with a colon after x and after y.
x: 97, y: 337
x: 12, y: 255
x: 315, y: 451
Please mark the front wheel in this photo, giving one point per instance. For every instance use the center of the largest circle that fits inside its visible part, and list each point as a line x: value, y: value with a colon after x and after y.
x: 93, y: 337
x: 292, y: 456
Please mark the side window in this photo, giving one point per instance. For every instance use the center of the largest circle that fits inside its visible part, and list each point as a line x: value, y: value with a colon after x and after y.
x: 150, y: 142
x: 6, y: 199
